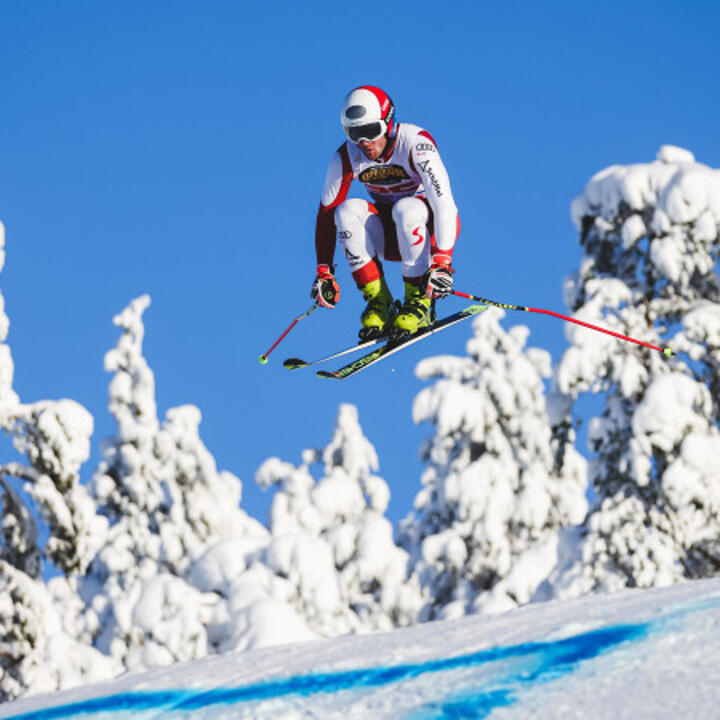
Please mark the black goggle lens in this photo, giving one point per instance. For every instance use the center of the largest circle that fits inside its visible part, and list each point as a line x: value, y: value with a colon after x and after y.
x: 369, y: 132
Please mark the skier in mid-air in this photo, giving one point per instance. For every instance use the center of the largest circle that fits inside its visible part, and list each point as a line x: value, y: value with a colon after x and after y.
x: 412, y: 218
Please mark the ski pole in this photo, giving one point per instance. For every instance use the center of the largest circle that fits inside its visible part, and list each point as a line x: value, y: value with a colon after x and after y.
x: 506, y: 306
x: 264, y: 357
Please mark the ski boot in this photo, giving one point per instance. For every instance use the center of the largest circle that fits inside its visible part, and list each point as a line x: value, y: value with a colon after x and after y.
x: 415, y: 313
x: 380, y: 310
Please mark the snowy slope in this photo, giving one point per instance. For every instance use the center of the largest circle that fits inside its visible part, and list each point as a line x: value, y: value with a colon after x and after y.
x: 635, y: 654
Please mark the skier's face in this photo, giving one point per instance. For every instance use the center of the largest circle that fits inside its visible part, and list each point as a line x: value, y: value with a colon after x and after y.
x: 373, y: 149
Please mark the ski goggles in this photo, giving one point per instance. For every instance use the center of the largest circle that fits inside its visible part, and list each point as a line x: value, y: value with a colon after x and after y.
x: 369, y: 132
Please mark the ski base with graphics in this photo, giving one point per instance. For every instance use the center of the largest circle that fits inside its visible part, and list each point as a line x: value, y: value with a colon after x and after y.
x: 391, y: 348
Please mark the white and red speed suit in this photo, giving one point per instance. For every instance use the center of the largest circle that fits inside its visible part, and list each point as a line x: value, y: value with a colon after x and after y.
x: 412, y: 216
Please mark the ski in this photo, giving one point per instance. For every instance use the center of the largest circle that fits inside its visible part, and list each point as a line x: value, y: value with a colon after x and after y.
x: 391, y: 348
x: 297, y: 363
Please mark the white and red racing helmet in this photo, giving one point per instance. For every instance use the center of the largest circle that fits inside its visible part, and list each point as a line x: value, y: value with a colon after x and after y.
x: 367, y: 114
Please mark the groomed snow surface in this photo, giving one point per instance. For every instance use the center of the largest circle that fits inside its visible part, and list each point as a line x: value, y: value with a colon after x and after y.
x: 635, y: 654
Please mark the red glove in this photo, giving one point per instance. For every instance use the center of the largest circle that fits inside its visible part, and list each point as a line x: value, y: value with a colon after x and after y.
x: 440, y: 276
x: 325, y: 290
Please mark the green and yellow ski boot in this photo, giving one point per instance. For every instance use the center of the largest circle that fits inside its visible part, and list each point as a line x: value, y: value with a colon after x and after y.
x: 415, y: 313
x: 380, y: 311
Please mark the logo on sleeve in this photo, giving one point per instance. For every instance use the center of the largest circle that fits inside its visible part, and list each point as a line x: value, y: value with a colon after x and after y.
x: 425, y: 167
x: 425, y: 147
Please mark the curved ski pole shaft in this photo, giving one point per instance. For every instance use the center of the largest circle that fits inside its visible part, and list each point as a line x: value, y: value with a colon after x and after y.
x: 506, y: 306
x: 264, y: 357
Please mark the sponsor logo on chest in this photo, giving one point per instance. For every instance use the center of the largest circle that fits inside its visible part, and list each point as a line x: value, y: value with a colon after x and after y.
x: 383, y: 175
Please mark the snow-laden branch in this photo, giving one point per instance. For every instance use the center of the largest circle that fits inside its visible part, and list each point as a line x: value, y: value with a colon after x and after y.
x: 24, y: 472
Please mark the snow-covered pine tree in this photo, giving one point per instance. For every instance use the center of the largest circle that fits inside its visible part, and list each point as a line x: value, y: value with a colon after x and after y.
x: 497, y: 488
x: 166, y: 502
x: 332, y: 547
x: 36, y: 652
x: 650, y: 238
x: 8, y: 397
x: 54, y: 435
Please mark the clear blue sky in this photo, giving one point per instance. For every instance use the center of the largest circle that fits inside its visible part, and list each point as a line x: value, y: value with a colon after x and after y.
x: 179, y: 148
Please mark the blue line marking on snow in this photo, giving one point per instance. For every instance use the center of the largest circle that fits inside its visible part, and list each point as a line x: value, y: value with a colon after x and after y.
x: 556, y: 660
x: 549, y: 661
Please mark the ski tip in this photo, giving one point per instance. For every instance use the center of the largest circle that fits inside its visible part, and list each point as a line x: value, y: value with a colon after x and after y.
x: 263, y: 359
x: 327, y: 374
x: 294, y: 363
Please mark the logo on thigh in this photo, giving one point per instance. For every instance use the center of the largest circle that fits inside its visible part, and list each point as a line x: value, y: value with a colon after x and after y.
x: 352, y: 258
